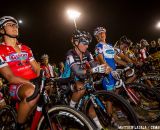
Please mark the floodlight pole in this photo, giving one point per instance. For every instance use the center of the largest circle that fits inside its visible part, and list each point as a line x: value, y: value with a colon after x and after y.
x: 73, y: 15
x: 75, y: 25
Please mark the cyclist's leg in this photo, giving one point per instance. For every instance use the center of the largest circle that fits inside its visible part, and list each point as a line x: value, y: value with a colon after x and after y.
x: 75, y: 98
x: 78, y: 94
x: 131, y: 79
x: 21, y: 92
x: 93, y: 116
x: 109, y: 85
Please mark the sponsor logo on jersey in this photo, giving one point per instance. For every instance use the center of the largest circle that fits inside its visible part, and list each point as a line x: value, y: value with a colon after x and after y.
x: 1, y: 61
x: 17, y: 56
x: 109, y: 51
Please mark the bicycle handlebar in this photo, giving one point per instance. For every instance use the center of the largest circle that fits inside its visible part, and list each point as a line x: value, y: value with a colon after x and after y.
x: 128, y: 68
x: 37, y: 83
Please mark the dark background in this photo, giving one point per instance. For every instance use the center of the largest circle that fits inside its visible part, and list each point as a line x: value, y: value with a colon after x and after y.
x: 47, y: 29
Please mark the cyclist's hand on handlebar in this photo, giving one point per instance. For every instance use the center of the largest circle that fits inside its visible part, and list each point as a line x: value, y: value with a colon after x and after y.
x: 115, y: 75
x: 99, y: 69
x: 108, y: 69
x: 130, y: 65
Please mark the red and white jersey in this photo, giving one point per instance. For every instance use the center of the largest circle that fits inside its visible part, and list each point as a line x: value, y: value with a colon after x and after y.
x: 48, y: 69
x: 143, y: 54
x: 18, y: 62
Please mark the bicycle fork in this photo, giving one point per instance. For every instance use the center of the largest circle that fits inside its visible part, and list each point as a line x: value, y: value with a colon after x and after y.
x: 37, y: 117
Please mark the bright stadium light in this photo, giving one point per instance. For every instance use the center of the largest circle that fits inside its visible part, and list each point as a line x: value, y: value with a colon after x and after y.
x: 158, y: 25
x: 20, y: 21
x: 73, y: 15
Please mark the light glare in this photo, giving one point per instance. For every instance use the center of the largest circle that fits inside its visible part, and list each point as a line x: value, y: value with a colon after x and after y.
x: 73, y: 14
x: 20, y: 21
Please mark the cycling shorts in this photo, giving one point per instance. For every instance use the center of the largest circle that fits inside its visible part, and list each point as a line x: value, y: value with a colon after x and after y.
x: 109, y: 83
x: 13, y: 91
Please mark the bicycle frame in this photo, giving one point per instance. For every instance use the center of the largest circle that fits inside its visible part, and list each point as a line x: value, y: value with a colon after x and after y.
x: 128, y: 90
x: 89, y: 95
x: 41, y: 107
x: 131, y: 94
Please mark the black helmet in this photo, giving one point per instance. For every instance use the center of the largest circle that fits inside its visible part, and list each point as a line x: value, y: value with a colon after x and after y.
x: 125, y: 40
x: 81, y: 37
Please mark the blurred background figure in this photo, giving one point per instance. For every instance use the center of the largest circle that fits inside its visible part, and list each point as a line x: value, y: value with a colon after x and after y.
x: 143, y: 50
x: 152, y: 48
x: 48, y: 69
x: 60, y: 69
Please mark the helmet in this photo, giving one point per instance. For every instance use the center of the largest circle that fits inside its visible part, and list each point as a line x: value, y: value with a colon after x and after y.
x: 44, y: 56
x: 153, y: 43
x: 99, y: 30
x: 5, y: 19
x: 144, y: 42
x: 125, y: 40
x: 82, y: 37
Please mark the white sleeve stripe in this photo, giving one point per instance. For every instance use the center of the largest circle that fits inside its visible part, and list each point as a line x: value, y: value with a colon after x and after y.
x: 31, y: 59
x: 3, y: 65
x: 72, y: 64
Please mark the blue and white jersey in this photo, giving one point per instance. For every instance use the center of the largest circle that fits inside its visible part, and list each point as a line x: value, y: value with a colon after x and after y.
x: 108, y: 53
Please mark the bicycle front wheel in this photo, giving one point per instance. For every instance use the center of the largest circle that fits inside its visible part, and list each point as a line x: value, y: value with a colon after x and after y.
x: 7, y: 118
x: 66, y: 118
x: 121, y: 114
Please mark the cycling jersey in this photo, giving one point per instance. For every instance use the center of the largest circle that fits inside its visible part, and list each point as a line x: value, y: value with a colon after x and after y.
x: 108, y: 55
x: 48, y: 69
x: 74, y: 65
x: 143, y: 54
x: 19, y: 63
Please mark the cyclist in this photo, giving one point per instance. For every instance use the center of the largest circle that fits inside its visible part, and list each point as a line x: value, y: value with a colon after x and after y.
x: 124, y: 50
x: 77, y: 60
x: 48, y: 69
x: 60, y: 69
x: 126, y: 54
x: 153, y: 47
x: 105, y: 54
x: 18, y: 66
x: 143, y: 50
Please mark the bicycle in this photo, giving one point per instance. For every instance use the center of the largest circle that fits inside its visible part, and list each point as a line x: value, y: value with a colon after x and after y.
x: 99, y: 98
x: 143, y: 99
x: 148, y: 76
x: 55, y: 118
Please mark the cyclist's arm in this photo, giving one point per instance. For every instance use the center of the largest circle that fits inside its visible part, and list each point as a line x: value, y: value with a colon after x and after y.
x: 80, y: 73
x: 101, y: 61
x: 124, y: 57
x: 35, y: 67
x: 7, y: 73
x: 119, y: 61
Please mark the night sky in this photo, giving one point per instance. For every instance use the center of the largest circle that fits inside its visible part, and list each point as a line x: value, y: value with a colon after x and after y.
x: 47, y: 29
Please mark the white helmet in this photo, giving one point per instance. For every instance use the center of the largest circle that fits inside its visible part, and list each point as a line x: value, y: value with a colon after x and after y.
x: 5, y: 19
x: 99, y: 30
x: 44, y: 56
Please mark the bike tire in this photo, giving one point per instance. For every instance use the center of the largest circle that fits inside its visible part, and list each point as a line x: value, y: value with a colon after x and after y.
x: 147, y: 98
x: 67, y: 115
x: 122, y: 103
x: 7, y: 118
